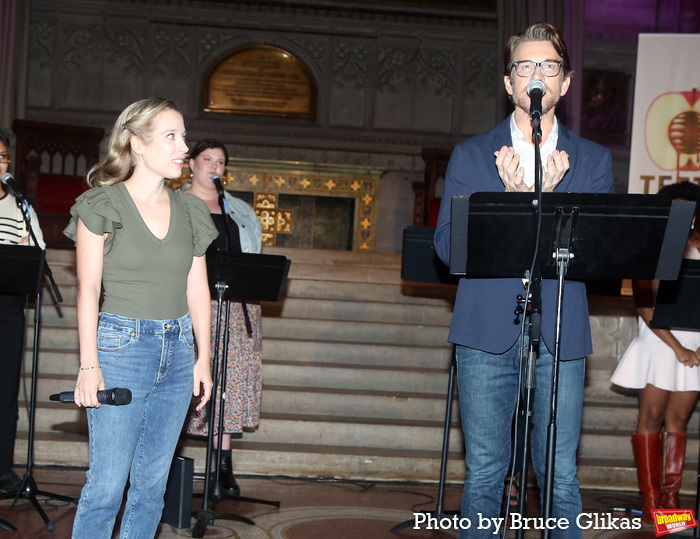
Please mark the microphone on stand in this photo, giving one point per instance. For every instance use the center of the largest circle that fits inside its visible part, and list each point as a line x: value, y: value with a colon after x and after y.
x: 536, y: 89
x: 216, y: 179
x: 117, y: 396
x: 8, y: 179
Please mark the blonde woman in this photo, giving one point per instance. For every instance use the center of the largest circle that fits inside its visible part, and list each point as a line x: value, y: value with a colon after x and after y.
x: 144, y: 244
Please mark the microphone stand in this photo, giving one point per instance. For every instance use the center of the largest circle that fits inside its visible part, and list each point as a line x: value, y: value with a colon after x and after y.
x: 207, y: 515
x: 28, y: 488
x: 534, y: 297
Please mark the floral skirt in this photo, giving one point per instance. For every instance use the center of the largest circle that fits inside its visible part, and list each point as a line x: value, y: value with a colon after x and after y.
x: 243, y: 389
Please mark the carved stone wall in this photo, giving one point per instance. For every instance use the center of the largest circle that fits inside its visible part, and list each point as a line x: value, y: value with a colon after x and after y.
x: 389, y: 81
x: 395, y: 81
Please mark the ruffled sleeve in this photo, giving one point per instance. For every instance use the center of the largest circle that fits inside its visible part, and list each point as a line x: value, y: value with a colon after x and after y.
x: 99, y: 211
x: 203, y: 229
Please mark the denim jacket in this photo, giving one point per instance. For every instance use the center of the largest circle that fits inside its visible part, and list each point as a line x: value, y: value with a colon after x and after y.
x: 248, y: 223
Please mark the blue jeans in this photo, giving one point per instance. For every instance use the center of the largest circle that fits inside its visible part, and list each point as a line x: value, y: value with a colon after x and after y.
x: 488, y: 392
x: 154, y: 359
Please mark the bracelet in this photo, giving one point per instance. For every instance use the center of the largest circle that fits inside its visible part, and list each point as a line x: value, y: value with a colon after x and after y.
x: 88, y: 368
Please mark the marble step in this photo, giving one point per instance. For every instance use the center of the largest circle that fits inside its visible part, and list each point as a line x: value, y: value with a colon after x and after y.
x: 377, y: 309
x: 356, y: 365
x: 383, y: 433
x: 359, y: 310
x: 355, y: 387
x: 429, y: 378
x: 397, y: 292
x: 409, y: 295
x: 311, y: 329
x: 331, y: 405
x: 359, y: 463
x: 294, y: 460
x: 398, y: 356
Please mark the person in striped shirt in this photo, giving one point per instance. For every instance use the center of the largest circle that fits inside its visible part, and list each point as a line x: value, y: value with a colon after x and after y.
x: 13, y: 231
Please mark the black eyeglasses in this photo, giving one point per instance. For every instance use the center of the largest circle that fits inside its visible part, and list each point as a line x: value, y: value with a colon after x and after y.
x: 4, y: 158
x: 549, y: 68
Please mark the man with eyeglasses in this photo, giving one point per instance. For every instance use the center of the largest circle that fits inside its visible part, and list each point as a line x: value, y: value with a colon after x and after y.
x: 12, y: 323
x: 483, y: 328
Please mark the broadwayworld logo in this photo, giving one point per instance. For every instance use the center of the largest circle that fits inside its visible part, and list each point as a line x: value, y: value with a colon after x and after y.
x: 672, y: 520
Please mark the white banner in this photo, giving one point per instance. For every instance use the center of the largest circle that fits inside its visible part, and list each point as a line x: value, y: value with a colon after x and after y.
x: 666, y: 123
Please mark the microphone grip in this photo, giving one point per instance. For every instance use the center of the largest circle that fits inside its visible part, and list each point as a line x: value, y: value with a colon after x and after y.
x: 117, y: 396
x: 536, y: 106
x: 216, y: 180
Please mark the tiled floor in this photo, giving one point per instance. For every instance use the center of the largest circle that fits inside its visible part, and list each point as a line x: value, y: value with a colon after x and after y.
x: 308, y: 510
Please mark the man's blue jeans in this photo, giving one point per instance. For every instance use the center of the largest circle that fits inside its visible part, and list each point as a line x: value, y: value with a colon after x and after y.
x: 488, y: 391
x: 154, y: 359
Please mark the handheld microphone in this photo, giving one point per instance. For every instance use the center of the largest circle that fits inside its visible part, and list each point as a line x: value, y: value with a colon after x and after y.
x: 8, y: 179
x: 536, y: 89
x: 117, y: 396
x: 216, y: 179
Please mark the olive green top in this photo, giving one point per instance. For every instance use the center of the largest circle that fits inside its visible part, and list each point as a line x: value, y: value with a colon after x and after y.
x: 143, y: 276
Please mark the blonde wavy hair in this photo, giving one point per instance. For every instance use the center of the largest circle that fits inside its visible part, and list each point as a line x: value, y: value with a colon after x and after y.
x: 136, y: 119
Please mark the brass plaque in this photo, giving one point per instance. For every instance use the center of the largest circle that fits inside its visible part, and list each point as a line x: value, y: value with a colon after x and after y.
x: 262, y: 80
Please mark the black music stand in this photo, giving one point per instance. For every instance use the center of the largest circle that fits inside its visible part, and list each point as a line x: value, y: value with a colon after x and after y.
x: 238, y: 277
x: 676, y: 305
x: 22, y: 269
x: 420, y: 263
x: 583, y: 236
x: 676, y: 308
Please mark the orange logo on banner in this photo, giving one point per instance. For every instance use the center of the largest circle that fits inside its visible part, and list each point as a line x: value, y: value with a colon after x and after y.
x: 673, y: 131
x: 672, y: 520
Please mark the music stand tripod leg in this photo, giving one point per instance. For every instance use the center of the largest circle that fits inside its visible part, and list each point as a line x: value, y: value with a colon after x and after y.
x: 28, y: 488
x: 218, y: 492
x: 208, y: 516
x: 439, y: 511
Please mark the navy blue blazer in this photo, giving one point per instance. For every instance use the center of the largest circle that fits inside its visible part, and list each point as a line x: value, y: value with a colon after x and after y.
x: 483, y: 316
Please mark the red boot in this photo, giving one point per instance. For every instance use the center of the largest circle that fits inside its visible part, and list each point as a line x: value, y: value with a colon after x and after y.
x: 647, y: 451
x: 675, y: 457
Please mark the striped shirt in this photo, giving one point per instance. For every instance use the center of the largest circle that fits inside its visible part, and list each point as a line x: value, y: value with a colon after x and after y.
x: 13, y: 229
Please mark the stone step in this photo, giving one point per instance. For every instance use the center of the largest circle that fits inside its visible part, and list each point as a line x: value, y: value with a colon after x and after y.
x: 288, y: 428
x: 399, y: 292
x: 297, y: 404
x: 319, y: 330
x: 299, y: 362
x: 354, y: 463
x: 611, y: 423
x: 355, y: 377
x: 368, y: 310
x: 356, y: 368
x: 377, y: 333
x: 437, y: 296
x: 352, y: 310
x: 292, y: 351
x: 353, y: 353
x: 294, y: 460
x: 616, y: 444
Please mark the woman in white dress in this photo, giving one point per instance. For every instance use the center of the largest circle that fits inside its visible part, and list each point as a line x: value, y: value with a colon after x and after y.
x: 663, y: 365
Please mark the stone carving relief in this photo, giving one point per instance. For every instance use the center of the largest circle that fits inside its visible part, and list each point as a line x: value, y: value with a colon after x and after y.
x: 350, y: 64
x: 42, y: 42
x: 480, y: 72
x: 395, y: 89
x: 437, y: 70
x: 171, y: 51
x: 121, y: 45
x: 434, y: 68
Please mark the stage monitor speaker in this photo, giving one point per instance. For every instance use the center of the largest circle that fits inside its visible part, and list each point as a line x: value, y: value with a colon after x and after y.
x: 178, y: 494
